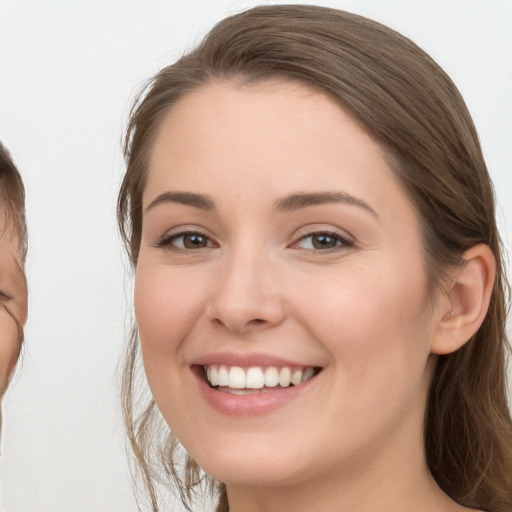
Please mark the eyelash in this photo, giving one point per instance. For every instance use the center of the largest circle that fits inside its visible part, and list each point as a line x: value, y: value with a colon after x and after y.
x: 167, y: 241
x: 341, y: 241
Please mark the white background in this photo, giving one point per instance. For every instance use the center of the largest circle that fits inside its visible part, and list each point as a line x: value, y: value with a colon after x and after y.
x: 68, y: 72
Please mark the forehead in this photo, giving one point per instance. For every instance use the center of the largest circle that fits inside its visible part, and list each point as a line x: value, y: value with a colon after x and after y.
x: 11, y: 235
x: 11, y: 252
x: 247, y: 129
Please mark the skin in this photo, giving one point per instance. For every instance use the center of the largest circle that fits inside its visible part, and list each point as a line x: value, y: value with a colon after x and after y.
x: 13, y: 297
x: 360, y: 311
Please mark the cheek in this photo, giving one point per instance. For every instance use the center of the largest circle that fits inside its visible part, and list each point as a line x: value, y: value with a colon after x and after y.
x: 167, y: 305
x: 374, y: 327
x: 368, y: 317
x: 9, y: 348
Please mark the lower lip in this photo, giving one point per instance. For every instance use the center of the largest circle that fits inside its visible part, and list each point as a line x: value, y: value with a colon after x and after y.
x: 248, y: 405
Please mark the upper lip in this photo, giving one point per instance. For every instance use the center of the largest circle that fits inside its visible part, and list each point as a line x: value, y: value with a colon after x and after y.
x: 247, y: 360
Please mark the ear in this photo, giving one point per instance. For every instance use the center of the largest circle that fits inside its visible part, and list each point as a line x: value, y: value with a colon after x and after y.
x: 464, y: 304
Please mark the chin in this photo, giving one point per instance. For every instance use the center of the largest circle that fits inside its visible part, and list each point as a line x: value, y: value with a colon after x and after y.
x: 256, y: 465
x: 250, y: 474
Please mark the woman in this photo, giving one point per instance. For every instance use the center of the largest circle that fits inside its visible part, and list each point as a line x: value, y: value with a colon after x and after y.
x: 13, y: 312
x: 319, y: 296
x: 13, y: 248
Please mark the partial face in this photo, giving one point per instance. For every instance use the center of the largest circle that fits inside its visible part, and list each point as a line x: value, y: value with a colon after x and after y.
x: 13, y: 302
x: 281, y: 296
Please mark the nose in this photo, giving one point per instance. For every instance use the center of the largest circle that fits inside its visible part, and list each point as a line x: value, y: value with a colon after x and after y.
x: 246, y: 297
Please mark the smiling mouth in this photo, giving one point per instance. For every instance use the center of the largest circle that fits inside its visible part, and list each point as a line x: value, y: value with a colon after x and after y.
x: 256, y: 379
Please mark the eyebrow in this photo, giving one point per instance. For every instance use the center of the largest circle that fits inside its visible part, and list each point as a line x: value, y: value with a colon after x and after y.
x: 200, y: 201
x: 289, y: 203
x: 303, y: 200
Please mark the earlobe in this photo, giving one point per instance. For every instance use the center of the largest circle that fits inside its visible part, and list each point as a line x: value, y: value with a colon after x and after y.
x: 468, y: 300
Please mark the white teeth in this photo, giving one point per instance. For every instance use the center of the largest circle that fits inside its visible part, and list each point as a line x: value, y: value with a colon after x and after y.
x: 236, y: 378
x: 223, y: 376
x: 214, y: 376
x: 271, y: 377
x: 256, y: 378
x: 296, y: 377
x: 285, y: 377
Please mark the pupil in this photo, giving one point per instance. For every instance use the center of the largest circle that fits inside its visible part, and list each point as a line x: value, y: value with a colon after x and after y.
x: 324, y: 242
x: 194, y: 241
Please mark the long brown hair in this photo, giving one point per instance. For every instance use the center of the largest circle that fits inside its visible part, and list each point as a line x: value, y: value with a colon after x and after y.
x: 413, y: 109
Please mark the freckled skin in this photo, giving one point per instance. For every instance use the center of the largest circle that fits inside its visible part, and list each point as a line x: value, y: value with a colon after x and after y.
x: 14, y: 297
x: 360, y: 311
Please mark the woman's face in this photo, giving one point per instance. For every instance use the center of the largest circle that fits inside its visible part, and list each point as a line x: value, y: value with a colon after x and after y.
x: 277, y: 245
x: 13, y: 295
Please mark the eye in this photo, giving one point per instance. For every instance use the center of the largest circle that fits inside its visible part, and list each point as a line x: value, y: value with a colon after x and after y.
x: 323, y: 241
x: 189, y: 240
x: 4, y: 296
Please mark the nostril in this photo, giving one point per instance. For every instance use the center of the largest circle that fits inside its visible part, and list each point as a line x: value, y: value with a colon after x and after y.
x: 256, y: 321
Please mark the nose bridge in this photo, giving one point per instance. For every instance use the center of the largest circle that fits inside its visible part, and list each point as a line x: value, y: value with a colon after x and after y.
x: 246, y: 296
